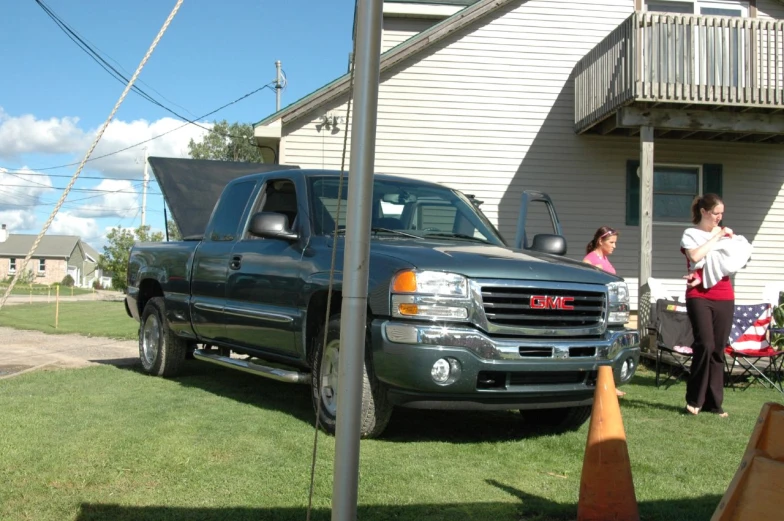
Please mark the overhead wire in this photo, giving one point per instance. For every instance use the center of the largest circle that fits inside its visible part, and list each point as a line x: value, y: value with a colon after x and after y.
x: 41, y: 169
x: 90, y: 151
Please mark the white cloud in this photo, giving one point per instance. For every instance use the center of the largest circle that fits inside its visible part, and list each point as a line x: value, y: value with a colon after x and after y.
x: 28, y: 135
x: 66, y: 223
x: 130, y: 163
x: 18, y: 220
x: 22, y: 190
x: 121, y: 199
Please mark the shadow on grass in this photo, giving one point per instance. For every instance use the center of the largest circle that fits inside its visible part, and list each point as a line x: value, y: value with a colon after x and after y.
x: 529, y: 508
x: 245, y: 388
x: 406, y: 425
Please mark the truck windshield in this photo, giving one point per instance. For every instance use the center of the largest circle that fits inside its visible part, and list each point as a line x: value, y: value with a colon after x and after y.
x: 426, y: 210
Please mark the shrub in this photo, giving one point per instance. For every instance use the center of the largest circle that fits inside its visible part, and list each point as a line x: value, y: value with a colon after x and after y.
x: 67, y: 281
x: 97, y: 284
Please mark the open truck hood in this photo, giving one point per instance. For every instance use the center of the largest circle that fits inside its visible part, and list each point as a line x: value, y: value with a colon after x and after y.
x: 191, y: 187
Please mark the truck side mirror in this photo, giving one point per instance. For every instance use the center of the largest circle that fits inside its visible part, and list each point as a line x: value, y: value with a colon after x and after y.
x: 271, y: 225
x: 549, y: 243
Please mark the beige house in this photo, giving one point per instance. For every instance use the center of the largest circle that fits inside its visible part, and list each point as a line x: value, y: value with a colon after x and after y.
x: 55, y: 257
x: 609, y: 106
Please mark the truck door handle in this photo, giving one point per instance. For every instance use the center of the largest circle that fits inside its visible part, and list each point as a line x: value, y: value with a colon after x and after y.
x: 236, y: 262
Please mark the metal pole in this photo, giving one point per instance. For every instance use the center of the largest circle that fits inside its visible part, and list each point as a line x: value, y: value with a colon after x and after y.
x: 646, y: 221
x: 144, y: 188
x: 278, y: 85
x: 355, y: 263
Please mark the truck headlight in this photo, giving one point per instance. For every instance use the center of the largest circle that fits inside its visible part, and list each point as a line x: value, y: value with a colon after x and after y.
x: 432, y: 295
x: 618, y: 303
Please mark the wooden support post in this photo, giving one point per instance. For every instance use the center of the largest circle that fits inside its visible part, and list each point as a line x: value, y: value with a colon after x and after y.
x: 57, y: 307
x: 646, y: 223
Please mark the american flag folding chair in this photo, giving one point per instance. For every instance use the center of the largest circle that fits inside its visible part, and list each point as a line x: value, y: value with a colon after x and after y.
x: 749, y: 347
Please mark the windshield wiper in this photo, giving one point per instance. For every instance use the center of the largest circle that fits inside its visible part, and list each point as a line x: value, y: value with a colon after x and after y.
x: 342, y: 231
x: 396, y: 232
x: 458, y: 236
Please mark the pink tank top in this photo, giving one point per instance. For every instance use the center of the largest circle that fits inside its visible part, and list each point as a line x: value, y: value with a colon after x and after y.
x: 602, y: 262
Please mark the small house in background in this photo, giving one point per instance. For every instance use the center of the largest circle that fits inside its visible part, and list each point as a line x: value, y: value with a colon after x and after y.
x: 55, y: 257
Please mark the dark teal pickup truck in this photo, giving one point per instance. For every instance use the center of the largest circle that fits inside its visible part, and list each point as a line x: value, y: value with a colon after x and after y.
x: 457, y: 319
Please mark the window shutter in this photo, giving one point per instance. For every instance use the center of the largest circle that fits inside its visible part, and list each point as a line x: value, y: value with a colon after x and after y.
x: 712, y: 179
x: 633, y: 193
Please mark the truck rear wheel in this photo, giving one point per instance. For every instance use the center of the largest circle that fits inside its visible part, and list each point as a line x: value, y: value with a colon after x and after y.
x: 161, y: 352
x: 558, y: 420
x: 376, y: 410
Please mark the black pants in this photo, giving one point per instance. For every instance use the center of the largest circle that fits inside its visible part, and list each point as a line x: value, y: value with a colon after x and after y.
x: 711, y: 322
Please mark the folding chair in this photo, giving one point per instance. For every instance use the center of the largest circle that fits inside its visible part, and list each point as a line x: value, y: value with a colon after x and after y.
x: 674, y: 338
x: 749, y: 348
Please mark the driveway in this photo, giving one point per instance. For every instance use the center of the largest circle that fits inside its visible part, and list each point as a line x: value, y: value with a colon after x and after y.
x: 25, y: 351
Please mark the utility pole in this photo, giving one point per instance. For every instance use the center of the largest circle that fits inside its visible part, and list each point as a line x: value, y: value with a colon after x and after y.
x: 355, y: 263
x: 278, y: 85
x: 144, y: 187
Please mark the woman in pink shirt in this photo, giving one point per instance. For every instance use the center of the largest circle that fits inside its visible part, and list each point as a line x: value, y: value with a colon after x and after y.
x: 597, y: 251
x: 602, y: 245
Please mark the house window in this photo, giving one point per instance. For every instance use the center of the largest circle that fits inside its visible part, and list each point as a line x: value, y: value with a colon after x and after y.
x: 674, y: 189
x: 41, y: 265
x: 702, y: 7
x: 12, y: 266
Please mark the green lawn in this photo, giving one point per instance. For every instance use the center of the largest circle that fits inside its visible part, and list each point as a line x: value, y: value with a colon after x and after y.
x: 91, y: 318
x: 112, y: 444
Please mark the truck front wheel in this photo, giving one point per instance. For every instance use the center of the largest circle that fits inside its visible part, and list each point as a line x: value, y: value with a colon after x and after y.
x: 559, y: 420
x: 161, y: 352
x: 376, y: 410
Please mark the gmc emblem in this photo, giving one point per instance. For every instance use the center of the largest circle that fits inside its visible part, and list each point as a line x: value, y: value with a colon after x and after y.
x: 548, y: 302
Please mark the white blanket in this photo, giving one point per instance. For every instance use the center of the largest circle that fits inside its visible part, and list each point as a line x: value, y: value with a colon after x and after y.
x: 728, y: 256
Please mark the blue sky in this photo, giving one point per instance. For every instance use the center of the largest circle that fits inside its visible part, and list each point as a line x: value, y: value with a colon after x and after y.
x: 54, y: 97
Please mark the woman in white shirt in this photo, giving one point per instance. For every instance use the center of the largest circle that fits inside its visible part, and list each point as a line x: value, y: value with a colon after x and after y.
x: 710, y: 309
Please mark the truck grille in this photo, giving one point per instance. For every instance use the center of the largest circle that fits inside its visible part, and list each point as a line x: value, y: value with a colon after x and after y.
x: 511, y: 306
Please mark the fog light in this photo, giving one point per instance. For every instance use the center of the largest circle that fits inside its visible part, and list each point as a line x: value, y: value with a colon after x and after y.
x: 445, y: 371
x: 440, y: 371
x: 627, y: 369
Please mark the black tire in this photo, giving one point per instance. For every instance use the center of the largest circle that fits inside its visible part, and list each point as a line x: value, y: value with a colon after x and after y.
x: 557, y: 420
x: 161, y: 352
x: 376, y: 409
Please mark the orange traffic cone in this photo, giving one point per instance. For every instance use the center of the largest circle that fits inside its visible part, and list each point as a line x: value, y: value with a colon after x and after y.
x: 606, y: 486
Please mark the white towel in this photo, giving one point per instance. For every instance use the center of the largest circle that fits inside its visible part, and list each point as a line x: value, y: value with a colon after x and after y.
x: 728, y: 256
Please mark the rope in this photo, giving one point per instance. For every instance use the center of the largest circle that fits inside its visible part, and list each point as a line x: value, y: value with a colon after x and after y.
x: 332, y: 271
x: 98, y: 136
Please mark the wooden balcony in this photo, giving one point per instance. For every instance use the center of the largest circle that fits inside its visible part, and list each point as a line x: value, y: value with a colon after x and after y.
x: 687, y: 76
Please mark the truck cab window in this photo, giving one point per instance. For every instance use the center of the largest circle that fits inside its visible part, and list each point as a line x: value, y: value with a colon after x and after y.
x: 279, y: 196
x: 230, y: 208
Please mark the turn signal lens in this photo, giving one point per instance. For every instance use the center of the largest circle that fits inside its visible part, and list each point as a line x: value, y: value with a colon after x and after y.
x: 405, y: 282
x: 408, y: 309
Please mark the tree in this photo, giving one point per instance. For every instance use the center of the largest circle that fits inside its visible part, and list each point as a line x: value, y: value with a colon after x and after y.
x: 174, y: 231
x: 118, y: 248
x: 226, y: 142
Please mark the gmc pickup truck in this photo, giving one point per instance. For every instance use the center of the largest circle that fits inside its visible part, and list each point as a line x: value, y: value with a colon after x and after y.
x: 456, y: 319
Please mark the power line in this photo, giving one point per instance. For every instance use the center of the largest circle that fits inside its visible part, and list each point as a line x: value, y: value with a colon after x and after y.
x: 122, y: 79
x: 251, y: 93
x: 35, y: 183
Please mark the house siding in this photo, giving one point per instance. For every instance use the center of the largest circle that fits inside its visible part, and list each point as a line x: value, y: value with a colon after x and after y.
x: 490, y: 111
x: 398, y: 30
x: 56, y: 269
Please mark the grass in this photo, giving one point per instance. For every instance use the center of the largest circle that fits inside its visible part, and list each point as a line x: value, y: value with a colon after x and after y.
x: 98, y: 318
x: 43, y: 289
x: 105, y: 443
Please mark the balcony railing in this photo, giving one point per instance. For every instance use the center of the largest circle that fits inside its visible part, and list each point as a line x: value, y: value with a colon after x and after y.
x: 682, y: 59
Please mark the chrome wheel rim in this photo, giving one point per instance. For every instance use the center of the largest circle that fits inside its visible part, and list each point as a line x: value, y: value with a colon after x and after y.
x: 151, y: 339
x: 328, y: 386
